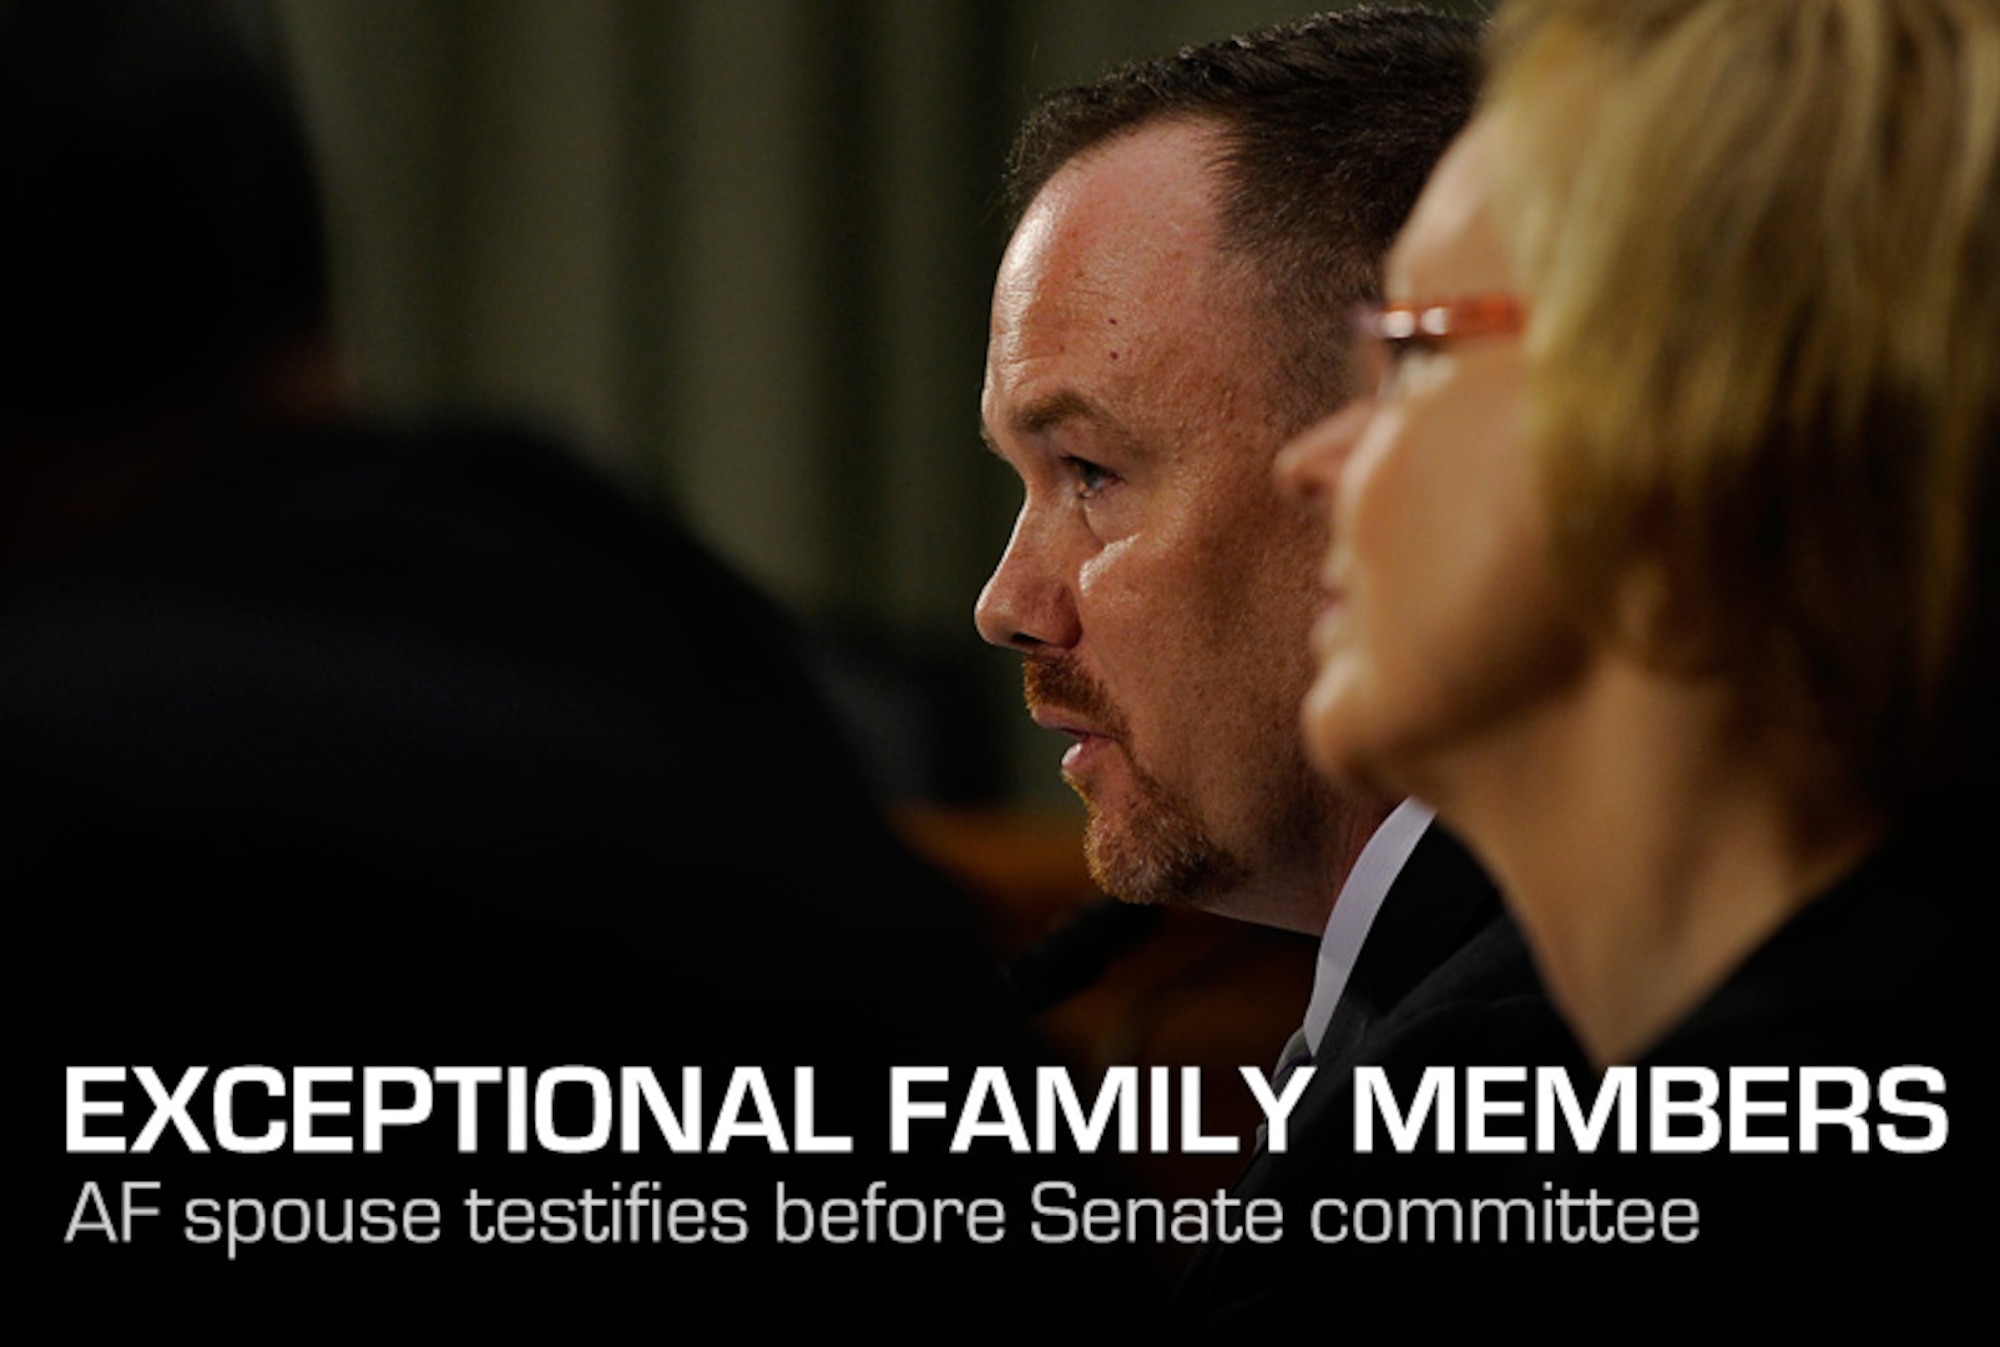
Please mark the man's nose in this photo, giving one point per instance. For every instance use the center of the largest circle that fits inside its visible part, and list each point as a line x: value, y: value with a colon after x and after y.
x: 1309, y: 467
x: 1027, y: 604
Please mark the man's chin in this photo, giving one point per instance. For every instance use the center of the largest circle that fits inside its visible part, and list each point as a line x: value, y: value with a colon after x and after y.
x: 1155, y: 854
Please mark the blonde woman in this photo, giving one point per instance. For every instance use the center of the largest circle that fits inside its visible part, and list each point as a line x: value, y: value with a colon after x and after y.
x: 1664, y: 567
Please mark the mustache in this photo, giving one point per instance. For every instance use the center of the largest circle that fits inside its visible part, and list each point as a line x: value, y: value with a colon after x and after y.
x: 1061, y: 684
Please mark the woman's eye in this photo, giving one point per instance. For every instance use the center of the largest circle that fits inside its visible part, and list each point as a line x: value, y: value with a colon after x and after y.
x: 1401, y: 352
x: 1403, y: 348
x: 1089, y: 477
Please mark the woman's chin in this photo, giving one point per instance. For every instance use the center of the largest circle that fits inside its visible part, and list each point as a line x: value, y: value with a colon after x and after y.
x: 1334, y: 728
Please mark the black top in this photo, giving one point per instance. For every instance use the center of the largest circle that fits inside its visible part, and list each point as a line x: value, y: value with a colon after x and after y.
x: 372, y: 748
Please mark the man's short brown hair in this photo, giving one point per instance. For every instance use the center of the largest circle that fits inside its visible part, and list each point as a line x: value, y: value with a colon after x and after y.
x: 1328, y: 127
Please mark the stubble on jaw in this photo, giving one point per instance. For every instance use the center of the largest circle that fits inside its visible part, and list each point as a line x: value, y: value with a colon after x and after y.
x: 1153, y: 850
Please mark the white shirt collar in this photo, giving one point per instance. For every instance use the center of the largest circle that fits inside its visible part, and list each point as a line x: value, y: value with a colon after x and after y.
x: 1355, y: 906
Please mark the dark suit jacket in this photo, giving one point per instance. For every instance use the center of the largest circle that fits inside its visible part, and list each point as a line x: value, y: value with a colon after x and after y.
x: 1443, y: 979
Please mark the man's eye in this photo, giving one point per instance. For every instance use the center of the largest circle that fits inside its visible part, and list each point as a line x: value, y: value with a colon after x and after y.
x: 1089, y: 477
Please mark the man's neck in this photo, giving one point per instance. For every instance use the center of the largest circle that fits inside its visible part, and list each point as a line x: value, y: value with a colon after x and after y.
x: 1299, y: 896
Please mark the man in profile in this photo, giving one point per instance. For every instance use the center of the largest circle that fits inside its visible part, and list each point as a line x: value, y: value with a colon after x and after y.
x: 1191, y: 236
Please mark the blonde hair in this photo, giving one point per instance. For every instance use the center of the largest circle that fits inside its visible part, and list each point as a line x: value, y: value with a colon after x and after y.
x: 1761, y: 245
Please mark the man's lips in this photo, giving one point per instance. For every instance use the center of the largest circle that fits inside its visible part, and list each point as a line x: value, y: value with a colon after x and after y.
x: 1088, y: 737
x: 1065, y: 722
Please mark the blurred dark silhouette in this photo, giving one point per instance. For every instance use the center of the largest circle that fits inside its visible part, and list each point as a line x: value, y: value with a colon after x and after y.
x: 331, y: 744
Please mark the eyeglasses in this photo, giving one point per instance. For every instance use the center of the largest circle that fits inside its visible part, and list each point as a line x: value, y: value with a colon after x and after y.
x: 1385, y: 333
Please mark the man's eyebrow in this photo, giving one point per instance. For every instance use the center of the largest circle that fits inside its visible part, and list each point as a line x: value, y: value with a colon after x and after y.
x: 1054, y: 410
x: 1066, y: 405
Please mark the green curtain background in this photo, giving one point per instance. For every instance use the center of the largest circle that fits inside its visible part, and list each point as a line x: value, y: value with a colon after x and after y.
x: 738, y: 253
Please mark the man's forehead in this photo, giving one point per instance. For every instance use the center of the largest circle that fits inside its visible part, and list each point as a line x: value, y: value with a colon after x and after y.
x: 1110, y: 312
x: 1144, y: 200
x: 1154, y: 158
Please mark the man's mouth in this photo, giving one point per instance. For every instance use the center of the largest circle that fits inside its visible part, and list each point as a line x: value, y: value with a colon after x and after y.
x: 1064, y: 722
x: 1061, y: 697
x: 1089, y: 738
